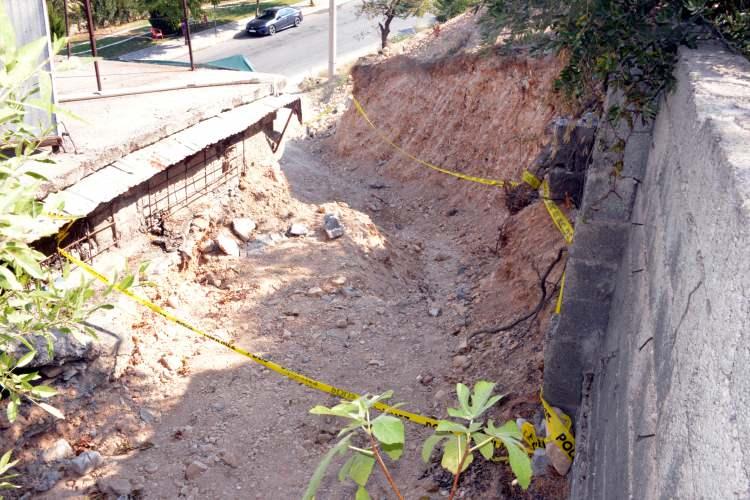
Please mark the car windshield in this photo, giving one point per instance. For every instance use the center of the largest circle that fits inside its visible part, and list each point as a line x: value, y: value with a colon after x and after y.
x: 268, y: 14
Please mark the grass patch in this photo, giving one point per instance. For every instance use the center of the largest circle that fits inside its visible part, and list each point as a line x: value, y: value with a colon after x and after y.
x: 232, y: 12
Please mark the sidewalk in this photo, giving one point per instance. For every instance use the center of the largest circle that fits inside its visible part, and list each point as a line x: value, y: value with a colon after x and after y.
x: 176, y: 49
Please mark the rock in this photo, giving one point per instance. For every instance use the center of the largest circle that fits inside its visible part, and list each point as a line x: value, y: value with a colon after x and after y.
x: 440, y: 396
x: 297, y: 230
x: 228, y: 245
x: 375, y: 362
x: 243, y: 227
x: 147, y: 415
x: 463, y: 346
x: 86, y: 462
x: 435, y: 312
x: 559, y: 459
x: 59, y: 450
x: 65, y: 348
x: 286, y: 334
x: 173, y: 301
x: 118, y: 486
x: 460, y: 362
x: 540, y: 463
x: 425, y: 379
x: 47, y: 480
x: 339, y: 280
x: 151, y: 468
x: 195, y: 469
x: 51, y: 371
x: 230, y: 459
x: 207, y: 246
x: 171, y: 363
x: 332, y: 226
x: 342, y: 323
x: 315, y: 291
x: 441, y: 257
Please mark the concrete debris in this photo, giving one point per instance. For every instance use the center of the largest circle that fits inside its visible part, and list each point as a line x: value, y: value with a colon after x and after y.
x: 118, y: 486
x: 86, y: 462
x: 230, y: 459
x: 315, y: 291
x: 297, y: 229
x: 342, y: 323
x: 435, y: 312
x: 243, y: 227
x: 228, y: 245
x: 195, y: 469
x: 339, y: 280
x: 332, y: 226
x: 59, y: 450
x: 65, y: 348
x: 559, y: 459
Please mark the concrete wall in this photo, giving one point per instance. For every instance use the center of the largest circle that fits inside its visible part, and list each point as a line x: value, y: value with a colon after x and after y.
x: 661, y: 377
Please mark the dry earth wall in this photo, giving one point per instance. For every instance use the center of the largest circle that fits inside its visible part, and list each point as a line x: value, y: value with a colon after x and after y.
x: 653, y: 346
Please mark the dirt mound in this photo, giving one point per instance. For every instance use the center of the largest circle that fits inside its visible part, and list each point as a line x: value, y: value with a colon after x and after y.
x: 481, y: 115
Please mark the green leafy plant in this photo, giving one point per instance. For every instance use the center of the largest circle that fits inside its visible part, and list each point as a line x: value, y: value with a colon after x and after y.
x: 625, y: 45
x: 5, y: 476
x: 35, y: 304
x: 461, y: 440
x: 383, y: 434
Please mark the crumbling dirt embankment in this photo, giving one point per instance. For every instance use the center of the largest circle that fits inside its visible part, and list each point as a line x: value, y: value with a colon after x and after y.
x: 482, y: 115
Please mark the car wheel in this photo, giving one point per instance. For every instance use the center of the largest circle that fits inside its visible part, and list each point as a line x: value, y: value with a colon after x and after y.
x: 297, y: 22
x: 272, y: 30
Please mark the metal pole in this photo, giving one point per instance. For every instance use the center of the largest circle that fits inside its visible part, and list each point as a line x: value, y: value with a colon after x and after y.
x: 67, y: 24
x: 331, y: 39
x: 92, y: 41
x: 187, y: 34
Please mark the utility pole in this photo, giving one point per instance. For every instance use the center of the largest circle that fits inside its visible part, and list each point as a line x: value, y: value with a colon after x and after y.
x: 331, y: 39
x: 92, y: 41
x: 67, y: 26
x: 187, y: 33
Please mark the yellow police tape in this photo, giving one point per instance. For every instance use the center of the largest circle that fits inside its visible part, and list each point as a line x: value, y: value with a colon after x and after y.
x: 459, y: 175
x: 558, y: 432
x: 297, y: 377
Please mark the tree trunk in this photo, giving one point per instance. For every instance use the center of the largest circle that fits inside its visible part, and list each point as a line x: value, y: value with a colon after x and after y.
x: 257, y: 8
x: 385, y: 30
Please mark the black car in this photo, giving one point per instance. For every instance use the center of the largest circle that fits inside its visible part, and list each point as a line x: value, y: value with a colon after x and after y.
x: 273, y: 20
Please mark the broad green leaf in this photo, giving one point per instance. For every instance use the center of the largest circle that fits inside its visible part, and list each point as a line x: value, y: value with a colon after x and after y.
x: 487, y: 449
x: 394, y: 451
x: 8, y: 279
x: 511, y: 437
x: 25, y: 359
x: 463, y: 398
x: 459, y: 413
x: 520, y: 463
x: 344, y: 410
x: 43, y: 391
x: 377, y: 399
x: 448, y: 426
x: 482, y: 392
x: 52, y: 410
x: 429, y: 445
x: 388, y: 429
x: 361, y: 468
x: 12, y: 410
x: 362, y: 494
x: 453, y: 451
x: 320, y: 471
x: 5, y: 460
x: 344, y: 470
x: 26, y: 259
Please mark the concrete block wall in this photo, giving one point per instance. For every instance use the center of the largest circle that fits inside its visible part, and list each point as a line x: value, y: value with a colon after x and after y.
x: 658, y: 368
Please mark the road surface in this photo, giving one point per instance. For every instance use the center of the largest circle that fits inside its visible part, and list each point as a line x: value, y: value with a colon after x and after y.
x: 297, y: 51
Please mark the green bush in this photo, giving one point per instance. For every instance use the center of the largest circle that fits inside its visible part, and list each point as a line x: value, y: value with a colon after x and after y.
x: 630, y: 45
x: 448, y: 9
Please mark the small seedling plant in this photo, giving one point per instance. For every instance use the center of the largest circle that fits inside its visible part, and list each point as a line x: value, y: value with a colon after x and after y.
x: 460, y: 440
x: 384, y: 434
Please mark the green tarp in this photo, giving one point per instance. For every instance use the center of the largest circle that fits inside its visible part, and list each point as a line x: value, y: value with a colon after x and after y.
x: 232, y: 63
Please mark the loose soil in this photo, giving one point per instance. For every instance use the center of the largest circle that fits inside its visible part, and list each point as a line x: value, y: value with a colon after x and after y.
x: 353, y: 312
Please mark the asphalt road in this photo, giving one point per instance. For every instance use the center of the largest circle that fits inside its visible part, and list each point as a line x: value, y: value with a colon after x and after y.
x: 296, y: 51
